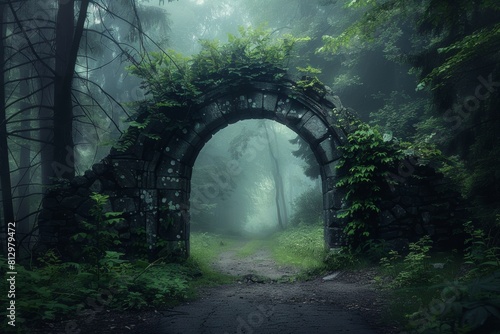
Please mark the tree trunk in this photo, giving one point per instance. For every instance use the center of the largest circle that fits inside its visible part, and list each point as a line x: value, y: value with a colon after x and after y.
x: 5, y: 182
x: 278, y: 184
x: 63, y: 166
x: 24, y: 177
x: 67, y: 44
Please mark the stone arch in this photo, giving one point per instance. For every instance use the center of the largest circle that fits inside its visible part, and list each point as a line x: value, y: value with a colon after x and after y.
x: 168, y: 161
x: 150, y: 180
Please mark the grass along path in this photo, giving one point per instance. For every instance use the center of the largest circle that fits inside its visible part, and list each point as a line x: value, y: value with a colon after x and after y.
x: 283, y: 255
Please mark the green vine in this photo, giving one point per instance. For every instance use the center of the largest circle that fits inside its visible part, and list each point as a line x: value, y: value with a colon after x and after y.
x: 174, y: 82
x: 309, y: 81
x: 364, y: 169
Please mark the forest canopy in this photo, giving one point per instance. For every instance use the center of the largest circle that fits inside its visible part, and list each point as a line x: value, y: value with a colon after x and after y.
x: 253, y: 55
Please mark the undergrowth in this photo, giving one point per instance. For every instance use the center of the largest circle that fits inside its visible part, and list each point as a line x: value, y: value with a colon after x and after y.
x: 445, y: 293
x: 54, y: 290
x: 301, y: 246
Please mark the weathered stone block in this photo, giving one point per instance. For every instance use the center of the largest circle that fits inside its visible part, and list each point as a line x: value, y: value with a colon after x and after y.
x: 212, y: 117
x: 329, y: 183
x: 96, y: 186
x: 327, y: 151
x: 332, y: 220
x: 330, y: 170
x: 283, y: 105
x: 189, y: 136
x: 333, y: 199
x: 269, y: 102
x: 398, y: 211
x: 226, y: 105
x: 313, y: 129
x: 242, y: 103
x: 334, y: 237
x: 386, y: 218
x: 125, y: 204
x: 100, y: 169
x: 145, y: 179
x: 172, y: 227
x: 426, y: 217
x: 125, y: 178
x: 137, y: 222
x: 255, y: 100
x: 173, y: 168
x: 298, y: 115
x: 177, y: 149
x: 79, y: 181
x: 201, y: 129
x: 148, y: 200
x: 167, y: 182
x: 72, y: 202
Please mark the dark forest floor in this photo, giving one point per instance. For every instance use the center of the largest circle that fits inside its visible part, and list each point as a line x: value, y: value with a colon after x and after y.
x: 263, y: 300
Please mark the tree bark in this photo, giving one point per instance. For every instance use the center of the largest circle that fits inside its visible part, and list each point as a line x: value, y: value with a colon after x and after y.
x: 24, y: 177
x: 278, y: 184
x: 68, y: 37
x: 5, y: 182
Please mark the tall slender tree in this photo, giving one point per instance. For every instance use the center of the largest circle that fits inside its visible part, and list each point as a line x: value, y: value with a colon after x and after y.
x: 68, y: 37
x: 5, y: 182
x: 48, y: 90
x: 281, y: 207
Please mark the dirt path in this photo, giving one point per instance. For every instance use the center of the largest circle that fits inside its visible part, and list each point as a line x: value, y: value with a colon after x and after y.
x: 257, y: 303
x: 316, y: 306
x: 258, y: 264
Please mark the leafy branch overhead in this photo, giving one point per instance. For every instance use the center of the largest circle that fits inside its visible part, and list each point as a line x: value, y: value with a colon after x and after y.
x: 177, y: 80
x: 446, y: 25
x: 174, y: 82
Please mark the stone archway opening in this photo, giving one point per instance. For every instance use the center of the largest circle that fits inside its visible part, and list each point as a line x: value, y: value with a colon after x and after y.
x: 246, y: 182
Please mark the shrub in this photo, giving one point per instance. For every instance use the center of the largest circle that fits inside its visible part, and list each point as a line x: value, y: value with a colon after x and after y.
x: 308, y: 208
x: 414, y: 270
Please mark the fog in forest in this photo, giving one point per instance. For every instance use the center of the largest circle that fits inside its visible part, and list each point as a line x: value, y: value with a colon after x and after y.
x: 235, y: 178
